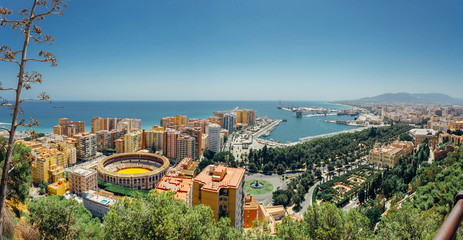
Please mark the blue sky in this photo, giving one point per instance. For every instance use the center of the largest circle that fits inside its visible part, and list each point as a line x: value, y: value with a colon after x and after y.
x: 248, y: 49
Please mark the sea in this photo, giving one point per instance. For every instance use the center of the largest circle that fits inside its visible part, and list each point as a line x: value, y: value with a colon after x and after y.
x: 151, y: 112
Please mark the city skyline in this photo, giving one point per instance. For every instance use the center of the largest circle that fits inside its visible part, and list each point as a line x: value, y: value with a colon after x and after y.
x: 261, y: 50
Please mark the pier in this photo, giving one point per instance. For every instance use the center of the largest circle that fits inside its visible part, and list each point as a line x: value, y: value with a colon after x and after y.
x: 315, y: 115
x: 329, y: 134
x: 267, y: 129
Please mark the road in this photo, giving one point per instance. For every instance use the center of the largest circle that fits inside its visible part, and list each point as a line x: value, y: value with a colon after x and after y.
x: 308, y: 199
x: 99, y: 157
x: 351, y: 205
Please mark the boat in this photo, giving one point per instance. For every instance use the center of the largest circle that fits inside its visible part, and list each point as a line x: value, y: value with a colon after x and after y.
x: 284, y: 120
x: 58, y: 106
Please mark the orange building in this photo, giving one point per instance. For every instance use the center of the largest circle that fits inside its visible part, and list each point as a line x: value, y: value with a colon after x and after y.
x: 59, y: 187
x: 182, y: 186
x: 186, y: 167
x: 250, y: 211
x: 169, y: 147
x: 174, y: 122
x: 55, y: 173
x: 120, y: 145
x: 246, y: 116
x: 456, y: 125
x: 69, y: 128
x: 221, y: 188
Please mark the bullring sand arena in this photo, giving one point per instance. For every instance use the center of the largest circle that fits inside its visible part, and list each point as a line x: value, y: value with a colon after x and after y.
x: 133, y: 170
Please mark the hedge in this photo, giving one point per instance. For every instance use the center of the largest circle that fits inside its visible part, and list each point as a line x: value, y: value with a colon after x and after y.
x: 119, y: 190
x: 314, y: 194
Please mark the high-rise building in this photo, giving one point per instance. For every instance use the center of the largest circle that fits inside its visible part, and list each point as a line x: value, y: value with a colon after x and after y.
x: 221, y: 188
x: 69, y: 128
x: 154, y: 138
x: 246, y: 116
x: 133, y: 141
x: 215, y: 119
x: 82, y: 179
x: 107, y: 124
x: 120, y: 145
x: 214, y: 144
x: 219, y: 117
x: 129, y: 124
x: 170, y: 143
x: 229, y: 123
x: 103, y: 140
x: 174, y: 122
x: 196, y: 133
x: 86, y: 145
x: 251, y: 118
x: 69, y: 149
x: 186, y: 147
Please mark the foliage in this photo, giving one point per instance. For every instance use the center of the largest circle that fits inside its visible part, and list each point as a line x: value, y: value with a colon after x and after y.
x: 346, y: 146
x: 208, y: 154
x: 405, y: 137
x: 159, y: 216
x: 438, y: 189
x: 20, y: 177
x: 221, y: 158
x: 282, y: 197
x: 408, y: 223
x: 43, y: 187
x: 326, y: 221
x: 59, y: 218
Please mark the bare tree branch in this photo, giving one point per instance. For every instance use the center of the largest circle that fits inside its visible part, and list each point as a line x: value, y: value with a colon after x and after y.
x: 27, y: 27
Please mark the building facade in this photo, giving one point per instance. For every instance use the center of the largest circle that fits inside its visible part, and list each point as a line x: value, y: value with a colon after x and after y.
x: 214, y: 144
x: 97, y: 203
x: 221, y: 188
x: 186, y: 147
x: 388, y: 156
x: 170, y: 143
x: 82, y: 179
x: 86, y: 145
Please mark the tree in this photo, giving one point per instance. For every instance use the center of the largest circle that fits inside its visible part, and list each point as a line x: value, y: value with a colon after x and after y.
x: 326, y: 221
x: 280, y: 169
x: 20, y: 177
x: 318, y: 173
x: 408, y: 223
x: 208, y: 154
x: 159, y: 216
x: 26, y: 24
x: 221, y: 157
x: 59, y: 218
x: 252, y: 168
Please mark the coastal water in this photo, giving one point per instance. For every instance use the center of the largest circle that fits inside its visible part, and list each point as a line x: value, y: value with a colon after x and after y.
x: 150, y: 112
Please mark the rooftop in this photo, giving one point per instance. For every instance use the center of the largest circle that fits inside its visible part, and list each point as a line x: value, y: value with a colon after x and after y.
x: 214, y: 178
x: 94, y: 196
x: 180, y: 185
x: 83, y: 171
x: 421, y: 132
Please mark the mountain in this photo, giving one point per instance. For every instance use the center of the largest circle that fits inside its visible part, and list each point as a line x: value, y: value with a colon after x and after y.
x: 410, y: 98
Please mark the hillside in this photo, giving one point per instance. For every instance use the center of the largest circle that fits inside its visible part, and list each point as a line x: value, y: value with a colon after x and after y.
x: 409, y: 98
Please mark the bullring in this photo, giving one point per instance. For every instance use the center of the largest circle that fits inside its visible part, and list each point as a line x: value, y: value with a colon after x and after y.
x: 133, y: 170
